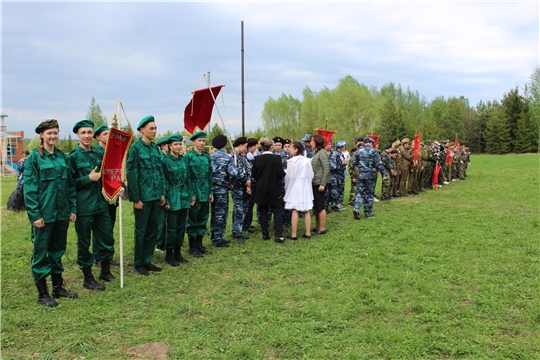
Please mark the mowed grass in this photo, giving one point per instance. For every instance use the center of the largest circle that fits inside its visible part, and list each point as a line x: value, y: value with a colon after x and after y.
x: 451, y: 273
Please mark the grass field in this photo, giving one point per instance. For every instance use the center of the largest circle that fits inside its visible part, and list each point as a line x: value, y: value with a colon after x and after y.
x: 447, y: 274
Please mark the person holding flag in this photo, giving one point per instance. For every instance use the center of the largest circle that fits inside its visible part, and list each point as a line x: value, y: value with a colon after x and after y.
x: 146, y: 189
x: 92, y: 209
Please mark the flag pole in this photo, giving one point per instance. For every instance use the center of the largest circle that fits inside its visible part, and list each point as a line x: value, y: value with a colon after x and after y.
x: 120, y: 223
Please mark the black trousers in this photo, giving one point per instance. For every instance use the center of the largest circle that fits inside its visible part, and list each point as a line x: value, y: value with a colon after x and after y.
x: 264, y: 211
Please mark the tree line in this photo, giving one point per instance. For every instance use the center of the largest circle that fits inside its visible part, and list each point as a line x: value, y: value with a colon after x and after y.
x: 353, y: 109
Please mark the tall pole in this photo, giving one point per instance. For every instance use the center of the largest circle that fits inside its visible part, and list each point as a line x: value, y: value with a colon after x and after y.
x: 209, y: 126
x: 3, y: 139
x: 243, y: 101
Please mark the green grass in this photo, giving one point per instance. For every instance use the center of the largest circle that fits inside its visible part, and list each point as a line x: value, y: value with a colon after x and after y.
x: 447, y: 274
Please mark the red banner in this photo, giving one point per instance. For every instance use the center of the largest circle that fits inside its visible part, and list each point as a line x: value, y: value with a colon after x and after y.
x: 416, y: 148
x: 456, y: 143
x: 375, y: 139
x: 327, y: 135
x: 199, y: 110
x: 448, y: 156
x: 111, y: 168
x: 436, y: 172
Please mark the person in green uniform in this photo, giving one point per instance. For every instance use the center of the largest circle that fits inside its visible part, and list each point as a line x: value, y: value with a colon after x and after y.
x: 92, y: 208
x: 51, y: 203
x: 199, y: 167
x: 146, y: 189
x: 101, y: 134
x: 163, y: 146
x: 179, y: 198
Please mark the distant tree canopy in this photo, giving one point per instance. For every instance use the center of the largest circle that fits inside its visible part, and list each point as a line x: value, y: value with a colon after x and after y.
x: 95, y: 114
x: 353, y: 109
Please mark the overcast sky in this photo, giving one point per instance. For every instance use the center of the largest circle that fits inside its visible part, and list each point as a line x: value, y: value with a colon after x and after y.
x: 56, y: 56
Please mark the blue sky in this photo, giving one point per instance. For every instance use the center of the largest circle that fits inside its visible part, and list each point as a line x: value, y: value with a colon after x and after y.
x: 56, y: 56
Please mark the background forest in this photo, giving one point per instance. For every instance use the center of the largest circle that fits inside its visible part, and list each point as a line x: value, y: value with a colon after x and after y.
x: 353, y: 109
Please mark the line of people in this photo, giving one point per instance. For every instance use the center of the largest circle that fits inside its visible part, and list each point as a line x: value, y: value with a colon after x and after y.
x: 175, y: 193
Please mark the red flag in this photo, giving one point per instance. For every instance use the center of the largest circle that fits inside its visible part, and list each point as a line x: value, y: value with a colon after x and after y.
x: 111, y: 168
x: 327, y: 135
x: 448, y: 157
x: 436, y: 175
x: 375, y: 139
x: 456, y: 143
x: 199, y: 109
x: 416, y: 148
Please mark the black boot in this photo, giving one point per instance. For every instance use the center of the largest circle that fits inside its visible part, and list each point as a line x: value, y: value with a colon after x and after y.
x: 200, y: 246
x: 89, y: 281
x: 105, y: 273
x: 178, y: 255
x: 59, y: 290
x: 44, y: 298
x: 193, y: 248
x: 170, y: 259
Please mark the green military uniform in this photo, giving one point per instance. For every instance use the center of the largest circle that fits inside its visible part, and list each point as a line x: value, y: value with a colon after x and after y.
x: 178, y: 195
x: 145, y: 183
x: 397, y: 178
x: 387, y: 185
x: 200, y: 174
x: 407, y: 156
x: 49, y: 194
x: 353, y: 173
x: 427, y: 181
x: 162, y: 230
x: 422, y: 160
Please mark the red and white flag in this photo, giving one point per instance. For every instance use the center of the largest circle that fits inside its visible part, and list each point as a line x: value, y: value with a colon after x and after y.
x: 112, y: 172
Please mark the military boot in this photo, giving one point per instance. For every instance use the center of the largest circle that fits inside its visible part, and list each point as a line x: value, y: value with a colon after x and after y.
x: 90, y: 282
x: 44, y: 298
x: 170, y: 259
x: 178, y: 255
x: 193, y: 248
x: 105, y: 273
x: 59, y: 290
x: 200, y: 246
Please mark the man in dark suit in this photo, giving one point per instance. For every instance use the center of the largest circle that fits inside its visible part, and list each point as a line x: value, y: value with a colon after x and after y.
x: 268, y: 171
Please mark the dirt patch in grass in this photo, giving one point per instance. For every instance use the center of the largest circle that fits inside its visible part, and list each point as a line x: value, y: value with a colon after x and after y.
x: 154, y: 350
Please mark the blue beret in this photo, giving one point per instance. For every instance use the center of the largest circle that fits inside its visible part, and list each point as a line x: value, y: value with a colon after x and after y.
x: 306, y: 137
x: 82, y: 124
x: 341, y: 143
x: 198, y: 135
x: 145, y: 121
x: 368, y: 139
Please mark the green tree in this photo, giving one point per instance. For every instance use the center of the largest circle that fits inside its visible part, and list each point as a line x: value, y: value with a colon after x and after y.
x: 281, y: 117
x: 497, y: 131
x: 391, y: 127
x: 524, y: 140
x: 95, y: 114
x: 34, y: 143
x: 512, y: 104
x: 309, y: 112
x: 533, y: 95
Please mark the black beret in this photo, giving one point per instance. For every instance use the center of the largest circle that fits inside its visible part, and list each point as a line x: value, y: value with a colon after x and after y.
x: 219, y: 141
x: 388, y: 146
x: 252, y: 141
x: 241, y: 140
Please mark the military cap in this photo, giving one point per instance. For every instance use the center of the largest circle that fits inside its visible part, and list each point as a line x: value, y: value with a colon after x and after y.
x: 422, y: 143
x: 277, y: 139
x: 219, y: 141
x: 388, y: 146
x: 100, y: 129
x: 287, y: 141
x: 252, y: 141
x: 145, y: 121
x: 46, y: 125
x: 241, y: 140
x: 406, y: 140
x: 83, y: 124
x: 341, y: 143
x: 394, y: 151
x: 306, y: 137
x: 175, y: 138
x: 368, y: 139
x: 164, y: 140
x: 198, y: 135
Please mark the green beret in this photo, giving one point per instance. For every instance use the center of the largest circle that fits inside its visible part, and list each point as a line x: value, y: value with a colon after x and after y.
x: 83, y: 124
x: 46, y: 125
x: 175, y: 138
x: 198, y: 135
x: 163, y: 140
x: 145, y: 121
x: 100, y: 129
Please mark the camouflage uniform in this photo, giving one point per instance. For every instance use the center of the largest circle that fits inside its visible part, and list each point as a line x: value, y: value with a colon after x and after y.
x: 388, y: 184
x: 223, y: 177
x: 353, y: 173
x: 337, y: 179
x: 368, y: 161
x: 462, y: 162
x: 239, y: 195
